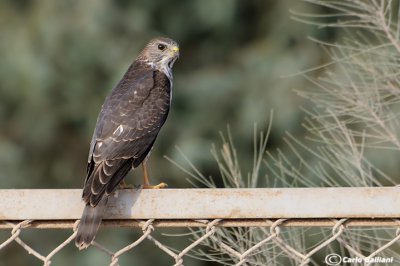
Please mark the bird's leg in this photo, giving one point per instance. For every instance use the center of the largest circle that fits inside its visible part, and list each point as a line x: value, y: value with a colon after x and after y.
x: 146, y: 183
x: 124, y: 185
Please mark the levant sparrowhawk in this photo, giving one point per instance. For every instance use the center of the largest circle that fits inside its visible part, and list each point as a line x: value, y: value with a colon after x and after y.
x: 127, y: 126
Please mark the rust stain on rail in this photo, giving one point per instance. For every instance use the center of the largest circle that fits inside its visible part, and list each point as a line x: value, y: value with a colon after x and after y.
x: 64, y: 204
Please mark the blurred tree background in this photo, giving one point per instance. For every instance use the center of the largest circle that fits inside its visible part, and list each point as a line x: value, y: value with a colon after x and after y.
x: 59, y: 59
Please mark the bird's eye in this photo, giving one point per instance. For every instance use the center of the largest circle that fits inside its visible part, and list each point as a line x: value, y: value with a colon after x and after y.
x: 161, y: 46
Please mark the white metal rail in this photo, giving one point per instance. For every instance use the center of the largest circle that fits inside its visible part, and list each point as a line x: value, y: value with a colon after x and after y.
x: 182, y: 207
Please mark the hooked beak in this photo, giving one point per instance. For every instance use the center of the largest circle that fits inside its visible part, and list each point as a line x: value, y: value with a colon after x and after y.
x: 174, y: 52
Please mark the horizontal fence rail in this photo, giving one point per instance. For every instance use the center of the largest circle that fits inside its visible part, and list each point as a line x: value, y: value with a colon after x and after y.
x: 66, y: 204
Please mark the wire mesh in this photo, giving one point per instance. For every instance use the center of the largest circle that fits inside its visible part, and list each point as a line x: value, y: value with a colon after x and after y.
x: 272, y: 235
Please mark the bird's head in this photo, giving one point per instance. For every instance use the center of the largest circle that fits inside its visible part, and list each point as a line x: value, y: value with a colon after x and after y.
x: 160, y: 53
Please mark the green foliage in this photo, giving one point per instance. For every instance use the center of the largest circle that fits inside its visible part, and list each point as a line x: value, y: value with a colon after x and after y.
x: 59, y: 61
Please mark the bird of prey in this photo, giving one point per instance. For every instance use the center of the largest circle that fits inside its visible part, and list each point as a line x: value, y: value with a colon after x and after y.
x: 127, y: 126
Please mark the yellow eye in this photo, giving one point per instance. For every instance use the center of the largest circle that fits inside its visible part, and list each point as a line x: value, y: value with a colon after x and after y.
x: 161, y: 46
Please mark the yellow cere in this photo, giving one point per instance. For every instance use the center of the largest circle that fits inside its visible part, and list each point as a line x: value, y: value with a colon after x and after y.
x: 175, y: 48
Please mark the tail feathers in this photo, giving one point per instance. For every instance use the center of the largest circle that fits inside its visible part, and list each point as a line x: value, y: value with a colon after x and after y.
x: 90, y: 223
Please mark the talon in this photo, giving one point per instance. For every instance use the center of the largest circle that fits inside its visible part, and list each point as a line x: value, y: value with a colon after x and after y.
x: 148, y: 186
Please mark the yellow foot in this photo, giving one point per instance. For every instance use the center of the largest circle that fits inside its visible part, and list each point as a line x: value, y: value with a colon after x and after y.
x: 123, y: 185
x: 147, y: 186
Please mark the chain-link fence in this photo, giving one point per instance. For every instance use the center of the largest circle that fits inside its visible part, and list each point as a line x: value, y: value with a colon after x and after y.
x: 209, y: 235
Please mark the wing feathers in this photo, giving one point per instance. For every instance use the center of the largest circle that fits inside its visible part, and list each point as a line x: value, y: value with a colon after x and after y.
x: 105, y: 176
x: 126, y: 129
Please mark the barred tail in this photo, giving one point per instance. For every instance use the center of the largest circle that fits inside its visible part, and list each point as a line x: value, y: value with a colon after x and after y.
x: 90, y: 223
